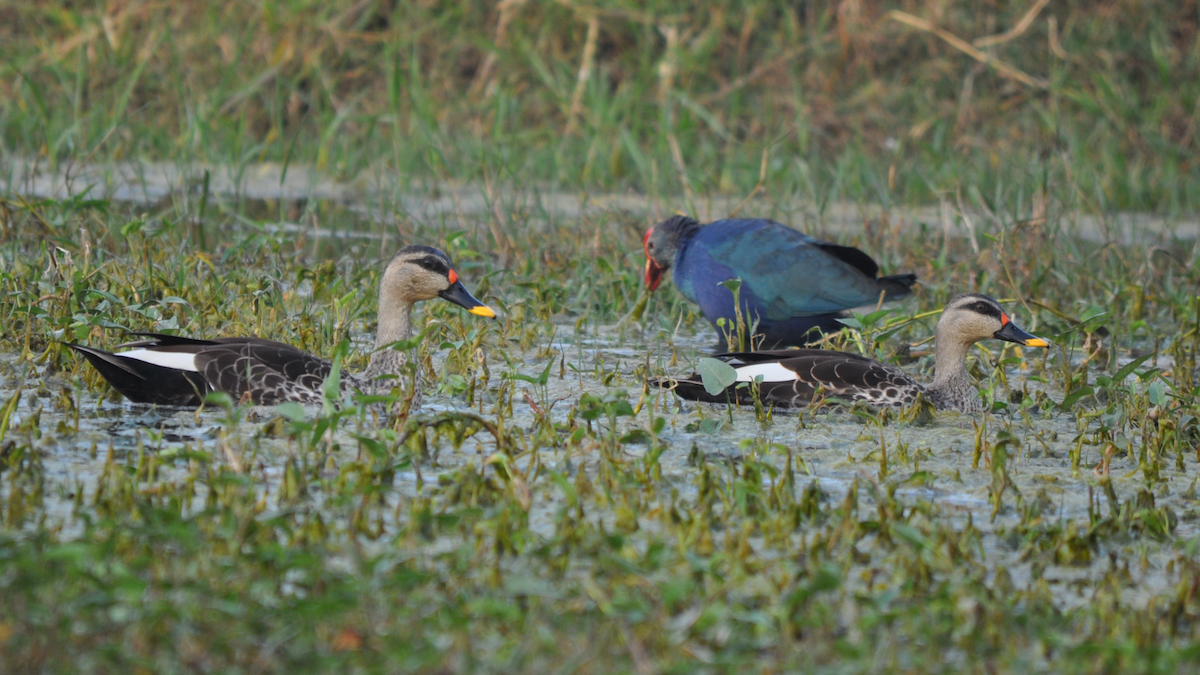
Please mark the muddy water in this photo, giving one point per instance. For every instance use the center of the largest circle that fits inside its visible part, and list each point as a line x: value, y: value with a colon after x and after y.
x: 836, y: 449
x: 832, y: 449
x: 380, y: 196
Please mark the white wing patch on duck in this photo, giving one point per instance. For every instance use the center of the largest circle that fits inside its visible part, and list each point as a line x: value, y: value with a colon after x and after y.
x: 176, y: 360
x: 771, y: 372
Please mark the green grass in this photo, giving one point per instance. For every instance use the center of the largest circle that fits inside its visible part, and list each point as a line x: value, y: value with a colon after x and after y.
x: 437, y: 91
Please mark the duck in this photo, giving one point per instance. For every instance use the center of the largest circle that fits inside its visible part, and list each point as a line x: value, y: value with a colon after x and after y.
x: 169, y: 370
x: 791, y: 378
x: 795, y: 286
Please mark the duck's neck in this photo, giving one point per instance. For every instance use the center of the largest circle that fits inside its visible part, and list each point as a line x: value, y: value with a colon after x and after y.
x: 952, y: 386
x: 395, y: 324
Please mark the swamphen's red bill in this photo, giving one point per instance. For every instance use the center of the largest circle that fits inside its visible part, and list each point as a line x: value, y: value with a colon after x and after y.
x: 654, y: 273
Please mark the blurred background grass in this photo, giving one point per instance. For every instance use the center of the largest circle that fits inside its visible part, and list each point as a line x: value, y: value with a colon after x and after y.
x: 1094, y: 103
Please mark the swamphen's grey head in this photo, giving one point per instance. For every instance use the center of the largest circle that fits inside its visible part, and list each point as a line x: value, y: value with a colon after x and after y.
x: 662, y: 243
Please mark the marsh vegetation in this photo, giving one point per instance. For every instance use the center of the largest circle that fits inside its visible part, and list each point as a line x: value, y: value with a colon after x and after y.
x: 546, y: 510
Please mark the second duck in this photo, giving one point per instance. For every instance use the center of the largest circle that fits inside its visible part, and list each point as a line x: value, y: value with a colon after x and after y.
x: 792, y: 378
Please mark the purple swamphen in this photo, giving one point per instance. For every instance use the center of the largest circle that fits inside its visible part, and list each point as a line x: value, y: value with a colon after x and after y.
x: 796, y: 287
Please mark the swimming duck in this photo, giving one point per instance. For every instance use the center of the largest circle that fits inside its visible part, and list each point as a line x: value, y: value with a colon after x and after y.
x: 171, y: 370
x: 791, y: 283
x: 791, y: 377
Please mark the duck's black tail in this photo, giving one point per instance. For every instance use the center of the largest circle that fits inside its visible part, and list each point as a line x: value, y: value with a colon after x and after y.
x: 692, y: 389
x: 143, y: 382
x: 897, y: 286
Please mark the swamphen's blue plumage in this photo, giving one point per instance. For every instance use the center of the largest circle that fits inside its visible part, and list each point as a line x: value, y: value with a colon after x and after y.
x: 791, y: 283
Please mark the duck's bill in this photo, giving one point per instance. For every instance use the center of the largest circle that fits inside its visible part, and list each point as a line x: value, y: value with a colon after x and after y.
x: 457, y: 293
x: 1011, y: 333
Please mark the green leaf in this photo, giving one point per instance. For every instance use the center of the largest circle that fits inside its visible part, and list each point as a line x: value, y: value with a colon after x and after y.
x: 636, y: 437
x: 457, y: 383
x: 911, y: 534
x: 708, y: 425
x: 1158, y: 393
x: 886, y: 335
x: 132, y: 226
x: 827, y: 578
x: 103, y: 294
x: 374, y: 446
x: 590, y: 406
x: 219, y: 399
x: 545, y: 376
x: 291, y: 411
x: 874, y: 317
x: 1126, y: 369
x: 1074, y: 396
x: 619, y: 408
x: 716, y: 375
x: 332, y: 387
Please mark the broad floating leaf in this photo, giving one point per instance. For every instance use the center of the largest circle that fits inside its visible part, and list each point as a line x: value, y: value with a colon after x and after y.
x: 291, y: 411
x: 1158, y: 393
x: 716, y: 375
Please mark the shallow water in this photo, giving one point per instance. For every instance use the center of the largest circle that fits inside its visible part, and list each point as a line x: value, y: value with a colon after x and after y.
x: 381, y: 198
x: 932, y: 465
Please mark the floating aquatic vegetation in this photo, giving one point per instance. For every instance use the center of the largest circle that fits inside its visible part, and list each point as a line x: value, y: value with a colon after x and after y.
x: 547, y: 509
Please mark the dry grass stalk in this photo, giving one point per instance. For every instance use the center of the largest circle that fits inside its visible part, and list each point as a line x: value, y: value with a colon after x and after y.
x: 1017, y: 30
x: 762, y: 182
x: 508, y: 8
x: 753, y: 76
x: 965, y: 47
x: 585, y: 72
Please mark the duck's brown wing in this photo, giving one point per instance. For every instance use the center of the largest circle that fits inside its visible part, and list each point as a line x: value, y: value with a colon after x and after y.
x: 792, y: 378
x: 852, y: 377
x: 262, y: 371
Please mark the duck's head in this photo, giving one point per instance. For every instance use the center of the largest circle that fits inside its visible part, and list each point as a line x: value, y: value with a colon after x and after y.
x: 662, y: 243
x: 419, y: 273
x: 971, y: 317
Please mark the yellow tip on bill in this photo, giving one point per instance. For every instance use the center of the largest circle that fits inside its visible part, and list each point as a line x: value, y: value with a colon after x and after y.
x: 1036, y: 342
x: 483, y: 310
